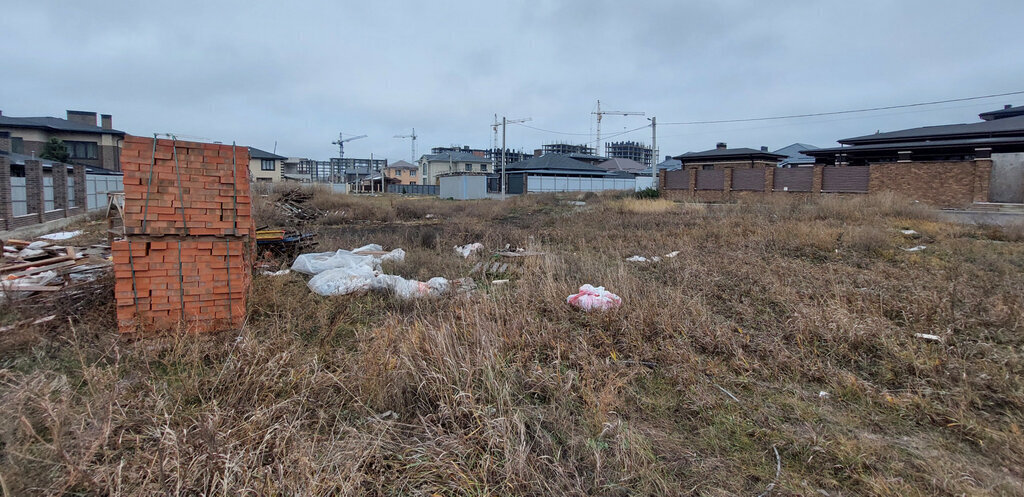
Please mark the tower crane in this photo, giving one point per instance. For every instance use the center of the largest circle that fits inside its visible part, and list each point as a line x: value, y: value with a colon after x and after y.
x: 413, y: 136
x: 340, y: 142
x: 600, y: 113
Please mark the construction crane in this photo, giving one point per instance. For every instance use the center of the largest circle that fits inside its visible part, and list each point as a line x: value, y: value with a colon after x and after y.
x: 600, y: 113
x: 341, y: 143
x: 413, y: 136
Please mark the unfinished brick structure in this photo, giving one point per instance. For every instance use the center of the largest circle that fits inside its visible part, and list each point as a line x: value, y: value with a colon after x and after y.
x: 185, y: 261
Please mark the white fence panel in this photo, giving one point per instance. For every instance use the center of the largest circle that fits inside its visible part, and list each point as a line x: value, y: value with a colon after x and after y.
x: 540, y: 184
x: 19, y: 198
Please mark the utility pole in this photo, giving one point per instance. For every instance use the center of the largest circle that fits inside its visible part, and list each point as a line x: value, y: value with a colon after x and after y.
x: 654, y: 151
x: 504, y: 124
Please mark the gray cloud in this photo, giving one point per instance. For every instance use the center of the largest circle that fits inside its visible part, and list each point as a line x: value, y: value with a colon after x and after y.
x: 260, y: 72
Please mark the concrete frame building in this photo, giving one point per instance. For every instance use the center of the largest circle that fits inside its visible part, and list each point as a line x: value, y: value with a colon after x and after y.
x: 634, y: 151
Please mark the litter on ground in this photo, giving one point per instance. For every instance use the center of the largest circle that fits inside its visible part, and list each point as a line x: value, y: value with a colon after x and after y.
x: 823, y: 395
x: 672, y: 254
x: 62, y: 235
x: 469, y: 249
x: 928, y: 337
x: 594, y: 298
x: 637, y: 258
x: 908, y: 232
x: 276, y: 273
x: 915, y: 249
x: 359, y: 270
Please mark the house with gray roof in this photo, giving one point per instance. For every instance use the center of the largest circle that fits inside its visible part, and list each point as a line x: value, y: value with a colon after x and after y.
x: 89, y: 142
x: 722, y: 157
x: 265, y: 166
x: 433, y: 165
x: 794, y: 155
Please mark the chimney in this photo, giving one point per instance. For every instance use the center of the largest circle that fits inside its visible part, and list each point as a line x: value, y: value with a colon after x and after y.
x: 5, y: 141
x: 668, y: 157
x: 1007, y: 106
x: 106, y: 121
x: 721, y: 146
x: 764, y: 148
x: 82, y: 117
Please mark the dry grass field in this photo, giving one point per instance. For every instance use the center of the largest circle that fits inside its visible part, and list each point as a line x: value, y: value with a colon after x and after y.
x: 776, y: 352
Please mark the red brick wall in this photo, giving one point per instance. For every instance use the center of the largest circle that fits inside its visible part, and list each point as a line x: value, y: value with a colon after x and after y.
x: 186, y: 261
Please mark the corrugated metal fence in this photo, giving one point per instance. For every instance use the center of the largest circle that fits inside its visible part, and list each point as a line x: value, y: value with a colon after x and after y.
x: 415, y: 189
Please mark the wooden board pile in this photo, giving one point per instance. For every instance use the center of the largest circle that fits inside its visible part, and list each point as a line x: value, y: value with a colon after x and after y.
x: 185, y: 260
x: 32, y: 269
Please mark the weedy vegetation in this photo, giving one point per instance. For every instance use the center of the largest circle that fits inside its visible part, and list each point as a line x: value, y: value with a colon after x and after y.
x: 782, y: 327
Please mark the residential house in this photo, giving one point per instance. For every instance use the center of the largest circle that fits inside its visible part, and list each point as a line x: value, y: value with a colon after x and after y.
x: 562, y: 172
x: 722, y: 157
x: 794, y: 155
x: 404, y: 172
x: 983, y: 161
x: 620, y: 165
x: 265, y: 166
x: 88, y: 143
x: 432, y: 165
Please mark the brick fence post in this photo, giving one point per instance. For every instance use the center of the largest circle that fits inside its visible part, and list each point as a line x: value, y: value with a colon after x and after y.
x: 693, y: 180
x: 727, y: 180
x: 6, y: 208
x: 81, y: 201
x: 59, y: 173
x: 36, y: 202
x: 982, y: 174
x: 661, y: 180
x: 769, y: 179
x: 816, y: 181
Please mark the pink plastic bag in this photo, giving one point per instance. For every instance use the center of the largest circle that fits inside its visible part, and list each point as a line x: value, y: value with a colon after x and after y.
x: 591, y: 298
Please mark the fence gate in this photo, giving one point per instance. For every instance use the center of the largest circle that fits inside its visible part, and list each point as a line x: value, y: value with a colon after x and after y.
x: 1006, y: 183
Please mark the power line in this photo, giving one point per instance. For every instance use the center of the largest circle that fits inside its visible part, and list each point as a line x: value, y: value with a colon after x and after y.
x: 853, y: 111
x: 555, y: 132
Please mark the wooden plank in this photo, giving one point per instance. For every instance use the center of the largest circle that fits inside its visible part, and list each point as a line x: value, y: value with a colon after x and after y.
x: 43, y: 262
x: 30, y: 288
x: 23, y: 243
x: 43, y: 269
x: 504, y: 268
x: 527, y: 253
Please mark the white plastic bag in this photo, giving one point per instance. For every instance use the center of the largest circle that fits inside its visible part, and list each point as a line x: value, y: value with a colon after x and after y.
x: 319, y: 262
x: 469, y: 249
x: 591, y: 298
x: 343, y: 280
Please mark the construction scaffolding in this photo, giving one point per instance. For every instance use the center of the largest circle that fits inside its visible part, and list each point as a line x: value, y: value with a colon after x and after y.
x: 567, y: 148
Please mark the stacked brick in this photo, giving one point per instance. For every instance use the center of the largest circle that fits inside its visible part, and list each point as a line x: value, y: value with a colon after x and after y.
x: 185, y: 261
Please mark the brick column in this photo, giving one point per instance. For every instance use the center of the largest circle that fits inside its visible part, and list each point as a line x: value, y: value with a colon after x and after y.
x: 693, y: 180
x: 5, y: 141
x: 81, y: 202
x: 982, y: 174
x: 59, y: 173
x: 769, y: 179
x: 661, y: 180
x: 6, y: 209
x: 34, y: 188
x: 727, y: 179
x: 816, y: 185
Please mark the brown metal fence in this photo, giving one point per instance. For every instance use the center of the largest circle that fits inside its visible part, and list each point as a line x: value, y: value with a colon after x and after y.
x: 710, y: 180
x: 748, y: 179
x: 677, y: 180
x: 848, y: 179
x: 797, y: 179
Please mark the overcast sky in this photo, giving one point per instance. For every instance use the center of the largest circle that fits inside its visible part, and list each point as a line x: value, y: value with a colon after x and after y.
x: 264, y: 72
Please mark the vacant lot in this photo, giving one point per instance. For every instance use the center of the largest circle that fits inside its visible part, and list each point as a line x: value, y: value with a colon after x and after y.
x: 776, y: 351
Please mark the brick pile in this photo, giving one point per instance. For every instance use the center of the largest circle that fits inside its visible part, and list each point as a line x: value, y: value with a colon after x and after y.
x: 185, y: 261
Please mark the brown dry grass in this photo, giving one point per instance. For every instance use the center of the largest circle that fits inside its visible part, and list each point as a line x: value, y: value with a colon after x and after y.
x: 508, y: 391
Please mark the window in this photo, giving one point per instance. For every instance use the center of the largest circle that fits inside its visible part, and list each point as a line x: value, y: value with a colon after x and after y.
x: 708, y: 167
x: 483, y: 168
x: 267, y: 164
x: 469, y: 167
x: 82, y: 150
x: 17, y: 145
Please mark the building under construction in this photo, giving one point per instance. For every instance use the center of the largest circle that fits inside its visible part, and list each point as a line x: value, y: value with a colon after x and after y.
x: 566, y: 148
x: 479, y: 152
x: 630, y: 150
x: 510, y: 155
